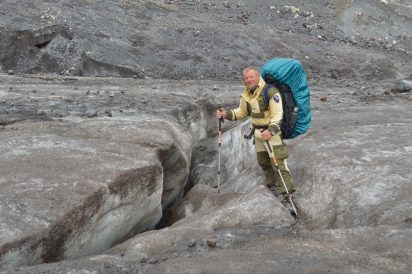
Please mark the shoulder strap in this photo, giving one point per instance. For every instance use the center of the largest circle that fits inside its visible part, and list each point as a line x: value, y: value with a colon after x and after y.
x: 268, y: 92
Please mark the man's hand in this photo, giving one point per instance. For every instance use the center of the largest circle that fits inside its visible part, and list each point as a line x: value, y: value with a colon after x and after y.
x: 221, y: 114
x: 266, y: 135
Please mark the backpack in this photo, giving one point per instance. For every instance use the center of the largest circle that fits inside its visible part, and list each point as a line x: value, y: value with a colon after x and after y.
x: 290, y: 110
x: 289, y: 77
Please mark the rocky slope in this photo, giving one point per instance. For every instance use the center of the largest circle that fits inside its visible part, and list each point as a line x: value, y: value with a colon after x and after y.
x: 205, y: 39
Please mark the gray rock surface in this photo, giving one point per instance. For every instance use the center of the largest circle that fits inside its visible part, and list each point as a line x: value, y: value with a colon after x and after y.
x: 204, y: 39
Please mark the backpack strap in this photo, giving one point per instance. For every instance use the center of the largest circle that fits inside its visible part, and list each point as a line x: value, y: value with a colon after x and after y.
x: 268, y: 92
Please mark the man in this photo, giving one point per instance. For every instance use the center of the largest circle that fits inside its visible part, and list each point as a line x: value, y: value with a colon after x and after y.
x: 266, y: 121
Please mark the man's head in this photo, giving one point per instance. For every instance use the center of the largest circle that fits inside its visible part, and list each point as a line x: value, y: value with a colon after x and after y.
x: 251, y: 78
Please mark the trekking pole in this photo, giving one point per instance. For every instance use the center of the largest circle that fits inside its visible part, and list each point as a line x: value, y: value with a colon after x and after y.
x: 274, y: 162
x: 220, y: 145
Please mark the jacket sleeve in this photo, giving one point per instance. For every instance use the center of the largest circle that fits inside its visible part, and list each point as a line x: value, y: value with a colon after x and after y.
x: 276, y: 112
x: 238, y: 113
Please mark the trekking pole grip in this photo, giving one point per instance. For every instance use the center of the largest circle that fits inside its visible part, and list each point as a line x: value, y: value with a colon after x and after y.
x: 221, y: 119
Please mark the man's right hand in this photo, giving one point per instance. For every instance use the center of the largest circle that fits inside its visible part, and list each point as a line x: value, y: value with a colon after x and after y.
x: 221, y: 114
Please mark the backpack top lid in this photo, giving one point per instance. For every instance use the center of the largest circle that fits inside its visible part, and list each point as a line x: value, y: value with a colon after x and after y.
x: 290, y: 71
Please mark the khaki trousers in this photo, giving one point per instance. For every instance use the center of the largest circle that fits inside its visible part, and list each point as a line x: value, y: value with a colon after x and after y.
x: 281, y: 153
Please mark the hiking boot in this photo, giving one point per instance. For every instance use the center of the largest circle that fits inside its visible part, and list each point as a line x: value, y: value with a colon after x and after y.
x: 286, y: 203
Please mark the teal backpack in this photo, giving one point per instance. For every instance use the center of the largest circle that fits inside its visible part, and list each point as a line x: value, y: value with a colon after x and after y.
x: 289, y: 77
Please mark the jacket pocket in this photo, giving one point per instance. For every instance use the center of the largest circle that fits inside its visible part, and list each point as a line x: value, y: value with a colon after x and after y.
x: 262, y: 106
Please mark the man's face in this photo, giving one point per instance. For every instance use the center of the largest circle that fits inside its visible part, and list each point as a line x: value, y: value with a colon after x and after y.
x: 251, y: 79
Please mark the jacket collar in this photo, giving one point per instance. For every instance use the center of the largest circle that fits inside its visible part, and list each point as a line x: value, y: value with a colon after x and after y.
x: 249, y: 96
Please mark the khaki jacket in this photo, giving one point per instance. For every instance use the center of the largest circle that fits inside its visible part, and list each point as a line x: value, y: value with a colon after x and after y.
x: 252, y: 104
